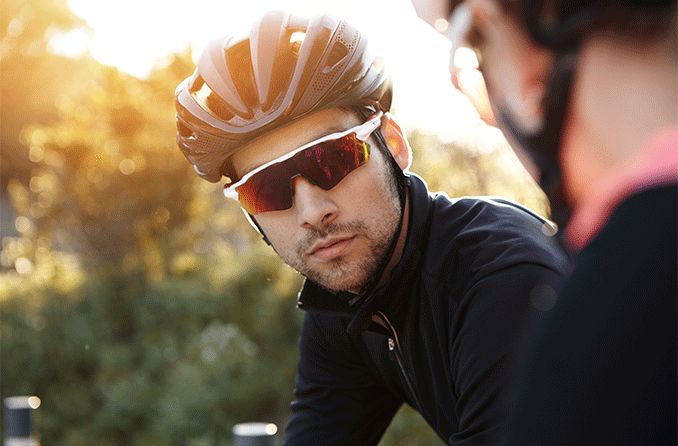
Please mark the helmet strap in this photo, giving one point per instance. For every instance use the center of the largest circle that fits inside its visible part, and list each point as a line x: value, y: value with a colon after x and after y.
x: 366, y: 296
x: 543, y: 146
x: 254, y: 223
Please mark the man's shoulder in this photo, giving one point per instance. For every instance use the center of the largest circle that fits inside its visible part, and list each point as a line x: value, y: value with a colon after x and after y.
x: 492, y: 212
x: 491, y: 233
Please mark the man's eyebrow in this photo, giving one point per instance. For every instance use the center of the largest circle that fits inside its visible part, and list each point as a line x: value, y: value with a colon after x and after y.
x: 335, y: 129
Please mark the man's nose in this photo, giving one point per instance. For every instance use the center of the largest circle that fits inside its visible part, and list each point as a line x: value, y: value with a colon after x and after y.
x: 315, y: 208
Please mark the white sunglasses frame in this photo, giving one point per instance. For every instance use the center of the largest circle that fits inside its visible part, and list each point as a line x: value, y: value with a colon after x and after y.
x: 362, y: 131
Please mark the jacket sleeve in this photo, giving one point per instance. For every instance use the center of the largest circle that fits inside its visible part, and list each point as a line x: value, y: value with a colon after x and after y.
x: 486, y: 334
x: 337, y: 401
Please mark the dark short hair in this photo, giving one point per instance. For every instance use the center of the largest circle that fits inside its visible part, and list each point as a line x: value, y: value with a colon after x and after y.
x: 631, y: 20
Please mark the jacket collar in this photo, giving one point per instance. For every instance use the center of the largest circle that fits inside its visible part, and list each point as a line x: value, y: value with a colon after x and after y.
x: 655, y: 165
x: 314, y: 298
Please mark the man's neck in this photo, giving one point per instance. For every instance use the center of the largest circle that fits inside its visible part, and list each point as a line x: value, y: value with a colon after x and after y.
x: 624, y: 94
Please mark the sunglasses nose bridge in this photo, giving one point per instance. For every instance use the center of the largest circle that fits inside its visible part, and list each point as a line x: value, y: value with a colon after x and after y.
x: 313, y: 204
x: 307, y: 178
x: 296, y: 178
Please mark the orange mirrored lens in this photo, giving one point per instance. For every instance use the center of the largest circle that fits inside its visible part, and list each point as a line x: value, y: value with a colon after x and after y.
x: 324, y: 164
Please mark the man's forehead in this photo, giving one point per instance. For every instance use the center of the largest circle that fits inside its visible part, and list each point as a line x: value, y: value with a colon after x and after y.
x: 292, y: 136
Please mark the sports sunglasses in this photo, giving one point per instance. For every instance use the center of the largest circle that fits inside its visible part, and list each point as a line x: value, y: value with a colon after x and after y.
x: 324, y: 162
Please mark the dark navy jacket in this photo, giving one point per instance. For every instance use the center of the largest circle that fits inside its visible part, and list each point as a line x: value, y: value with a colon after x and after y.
x: 601, y: 369
x: 473, y: 271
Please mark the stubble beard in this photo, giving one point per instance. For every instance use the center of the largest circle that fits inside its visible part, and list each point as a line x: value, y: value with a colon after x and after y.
x: 341, y: 274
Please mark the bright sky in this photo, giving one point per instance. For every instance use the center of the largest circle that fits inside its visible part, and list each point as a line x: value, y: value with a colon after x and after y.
x: 134, y: 35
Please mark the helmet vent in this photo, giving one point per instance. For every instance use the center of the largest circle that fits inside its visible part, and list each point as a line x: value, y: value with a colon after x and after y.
x: 185, y: 132
x: 337, y: 55
x: 297, y: 37
x: 239, y: 61
x: 341, y: 32
x: 209, y: 100
x: 336, y: 61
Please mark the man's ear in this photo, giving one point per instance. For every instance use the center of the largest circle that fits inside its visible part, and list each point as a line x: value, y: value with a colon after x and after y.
x: 396, y: 142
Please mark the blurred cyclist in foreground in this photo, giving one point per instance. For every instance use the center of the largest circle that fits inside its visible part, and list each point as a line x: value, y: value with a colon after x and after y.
x: 587, y: 92
x: 409, y: 296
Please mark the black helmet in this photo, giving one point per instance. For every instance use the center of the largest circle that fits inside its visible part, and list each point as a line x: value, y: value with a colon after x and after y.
x: 287, y: 67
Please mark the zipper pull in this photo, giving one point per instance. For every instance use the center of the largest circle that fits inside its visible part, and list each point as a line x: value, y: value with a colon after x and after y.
x: 391, y: 349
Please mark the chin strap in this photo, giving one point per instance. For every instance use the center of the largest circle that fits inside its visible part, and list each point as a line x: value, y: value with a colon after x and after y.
x: 563, y: 35
x: 363, y: 317
x: 543, y: 146
x: 254, y: 223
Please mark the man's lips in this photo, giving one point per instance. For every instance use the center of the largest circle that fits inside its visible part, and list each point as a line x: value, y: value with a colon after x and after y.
x: 330, y: 248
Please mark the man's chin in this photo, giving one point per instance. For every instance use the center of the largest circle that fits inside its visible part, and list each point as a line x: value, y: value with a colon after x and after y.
x: 339, y: 286
x: 341, y: 275
x: 339, y: 281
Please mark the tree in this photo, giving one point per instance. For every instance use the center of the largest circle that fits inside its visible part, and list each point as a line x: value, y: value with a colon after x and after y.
x: 33, y: 80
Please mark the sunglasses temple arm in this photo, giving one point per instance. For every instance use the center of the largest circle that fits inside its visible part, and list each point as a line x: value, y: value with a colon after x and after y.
x: 370, y: 126
x: 255, y: 225
x: 231, y: 193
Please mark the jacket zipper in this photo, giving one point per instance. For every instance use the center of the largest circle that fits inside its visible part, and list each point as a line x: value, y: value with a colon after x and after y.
x: 395, y: 348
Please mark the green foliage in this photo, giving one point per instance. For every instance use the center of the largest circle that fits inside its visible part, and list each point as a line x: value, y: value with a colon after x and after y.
x: 409, y: 428
x: 124, y: 361
x: 106, y: 176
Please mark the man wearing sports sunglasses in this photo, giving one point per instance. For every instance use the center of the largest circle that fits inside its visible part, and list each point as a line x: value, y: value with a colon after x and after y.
x: 409, y: 296
x: 340, y: 254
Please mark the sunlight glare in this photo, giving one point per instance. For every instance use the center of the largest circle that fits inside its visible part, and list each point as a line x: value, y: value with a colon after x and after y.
x: 34, y: 402
x: 465, y: 58
x: 136, y: 35
x: 73, y: 43
x: 297, y: 36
